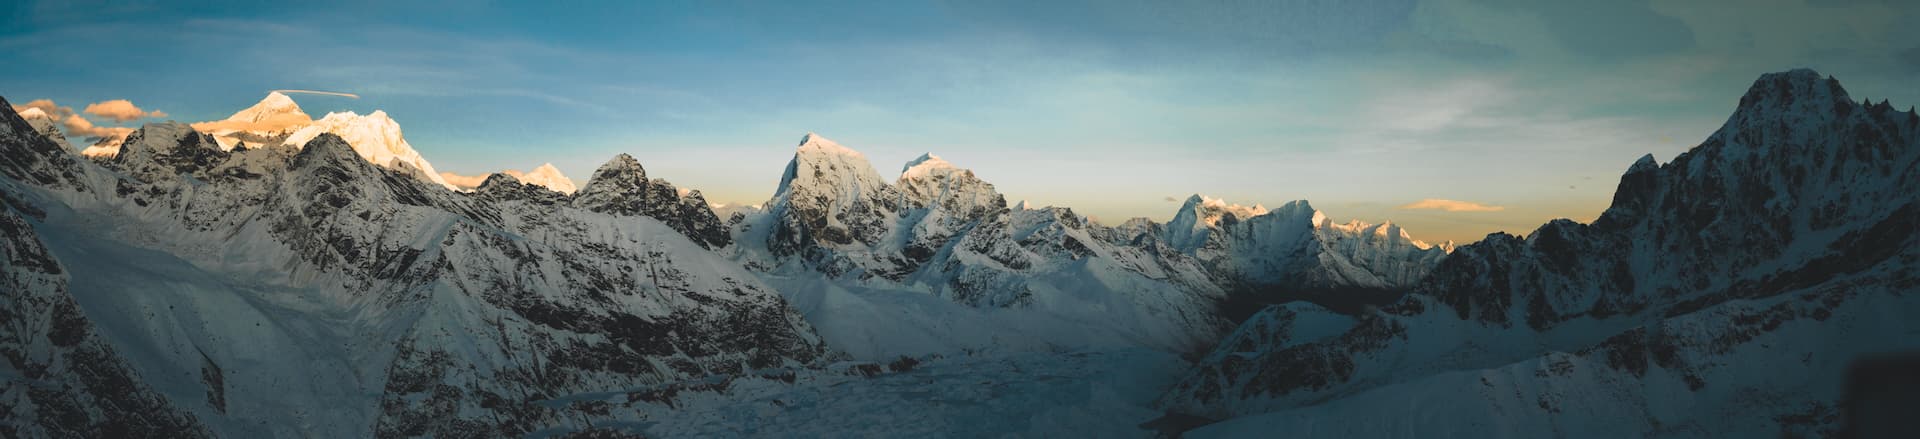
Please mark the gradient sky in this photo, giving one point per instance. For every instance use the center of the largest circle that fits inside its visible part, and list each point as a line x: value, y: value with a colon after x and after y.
x: 1117, y: 108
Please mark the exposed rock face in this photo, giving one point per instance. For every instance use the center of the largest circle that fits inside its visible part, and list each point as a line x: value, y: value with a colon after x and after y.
x: 60, y: 377
x: 28, y: 156
x: 307, y: 284
x: 830, y: 201
x: 1785, y: 240
x: 162, y: 150
x: 621, y: 187
x: 940, y: 229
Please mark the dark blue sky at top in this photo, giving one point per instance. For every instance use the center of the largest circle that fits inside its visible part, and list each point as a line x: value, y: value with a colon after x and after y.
x: 1107, y: 106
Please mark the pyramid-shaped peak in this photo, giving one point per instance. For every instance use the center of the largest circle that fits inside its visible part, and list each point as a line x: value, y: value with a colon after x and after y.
x: 274, y: 106
x: 276, y: 99
x: 621, y: 164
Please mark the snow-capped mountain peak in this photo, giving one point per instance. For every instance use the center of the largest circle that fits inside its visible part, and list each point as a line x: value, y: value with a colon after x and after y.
x: 931, y: 181
x: 823, y: 165
x: 546, y: 176
x: 376, y: 137
x: 275, y: 106
x: 1211, y: 210
x: 1190, y: 225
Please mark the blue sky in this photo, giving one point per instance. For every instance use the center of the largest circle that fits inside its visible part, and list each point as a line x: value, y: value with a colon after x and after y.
x: 1112, y: 107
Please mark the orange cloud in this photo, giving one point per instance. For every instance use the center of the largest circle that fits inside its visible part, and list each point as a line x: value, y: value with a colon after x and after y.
x: 80, y: 126
x: 72, y: 122
x: 121, y: 110
x: 1452, y: 206
x: 46, y: 106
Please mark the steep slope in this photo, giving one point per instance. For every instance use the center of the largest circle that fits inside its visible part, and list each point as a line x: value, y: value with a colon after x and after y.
x: 829, y: 207
x: 60, y: 377
x: 46, y: 126
x: 1784, y: 240
x: 282, y: 292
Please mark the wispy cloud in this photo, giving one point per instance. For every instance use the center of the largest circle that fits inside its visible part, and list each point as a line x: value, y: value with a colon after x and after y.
x: 121, y: 110
x: 1452, y: 206
x: 317, y: 92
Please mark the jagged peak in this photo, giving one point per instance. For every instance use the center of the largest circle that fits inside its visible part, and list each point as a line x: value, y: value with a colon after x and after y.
x: 1793, y: 90
x: 621, y: 166
x: 326, y: 148
x: 498, y: 180
x: 1645, y: 163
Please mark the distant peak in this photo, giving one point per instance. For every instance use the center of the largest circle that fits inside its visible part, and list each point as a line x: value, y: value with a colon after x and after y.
x: 546, y: 176
x: 275, y: 98
x: 275, y: 105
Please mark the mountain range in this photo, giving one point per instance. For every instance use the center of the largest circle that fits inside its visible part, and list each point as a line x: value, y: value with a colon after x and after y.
x: 270, y: 274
